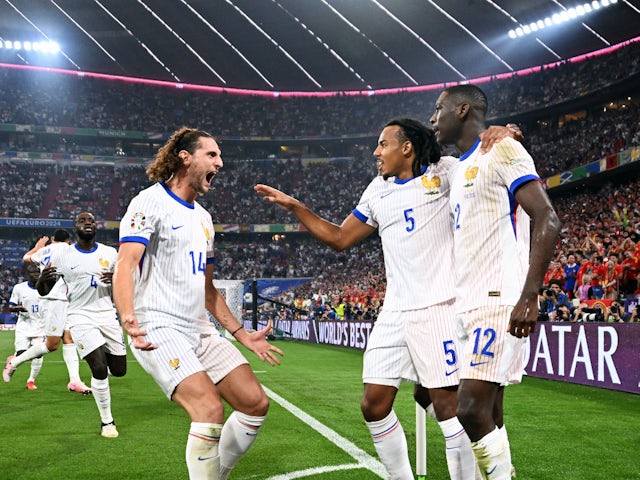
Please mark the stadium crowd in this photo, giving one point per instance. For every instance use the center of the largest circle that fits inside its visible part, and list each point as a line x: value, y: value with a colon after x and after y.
x: 54, y: 100
x: 603, y: 222
x: 58, y: 102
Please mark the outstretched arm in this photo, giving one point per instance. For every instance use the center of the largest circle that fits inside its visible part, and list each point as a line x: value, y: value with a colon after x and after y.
x: 129, y: 256
x: 338, y: 237
x: 546, y: 228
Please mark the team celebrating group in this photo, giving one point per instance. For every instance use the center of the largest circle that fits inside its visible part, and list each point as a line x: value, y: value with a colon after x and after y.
x: 466, y: 243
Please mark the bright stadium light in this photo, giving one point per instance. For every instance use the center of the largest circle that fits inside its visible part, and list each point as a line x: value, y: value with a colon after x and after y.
x: 560, y: 17
x: 28, y: 45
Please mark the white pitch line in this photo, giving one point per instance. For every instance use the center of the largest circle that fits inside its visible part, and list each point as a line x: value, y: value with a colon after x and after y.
x: 316, y: 471
x: 363, y: 458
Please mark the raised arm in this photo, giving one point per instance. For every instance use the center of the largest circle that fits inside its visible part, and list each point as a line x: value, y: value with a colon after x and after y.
x: 42, y: 241
x: 338, y: 237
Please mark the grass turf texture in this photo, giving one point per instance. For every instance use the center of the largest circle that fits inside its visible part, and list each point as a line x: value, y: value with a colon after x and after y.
x: 557, y: 430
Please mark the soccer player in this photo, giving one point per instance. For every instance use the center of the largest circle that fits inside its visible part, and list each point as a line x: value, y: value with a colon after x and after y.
x: 53, y: 308
x: 414, y: 337
x: 163, y: 285
x: 494, y: 195
x: 25, y: 301
x: 86, y: 270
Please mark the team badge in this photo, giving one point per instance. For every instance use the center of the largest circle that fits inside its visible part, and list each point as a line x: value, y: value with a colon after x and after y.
x: 175, y: 363
x: 104, y: 264
x: 432, y: 184
x: 138, y: 221
x: 469, y: 175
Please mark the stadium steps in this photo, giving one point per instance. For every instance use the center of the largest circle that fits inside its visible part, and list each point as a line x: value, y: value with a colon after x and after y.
x: 113, y: 211
x: 50, y: 196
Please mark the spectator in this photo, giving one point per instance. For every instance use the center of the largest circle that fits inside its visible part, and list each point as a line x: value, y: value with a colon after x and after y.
x: 570, y: 273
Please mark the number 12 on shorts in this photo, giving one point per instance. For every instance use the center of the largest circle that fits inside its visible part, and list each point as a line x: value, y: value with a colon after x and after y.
x: 483, y: 345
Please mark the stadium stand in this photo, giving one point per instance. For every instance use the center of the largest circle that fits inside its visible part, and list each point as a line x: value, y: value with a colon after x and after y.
x: 52, y: 164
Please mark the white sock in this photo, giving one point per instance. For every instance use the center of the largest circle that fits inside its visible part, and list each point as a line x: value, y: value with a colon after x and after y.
x: 391, y: 445
x: 203, y: 460
x: 70, y: 356
x: 34, y: 351
x: 460, y: 458
x: 238, y: 434
x: 505, y: 438
x: 102, y: 395
x: 36, y: 365
x: 492, y: 455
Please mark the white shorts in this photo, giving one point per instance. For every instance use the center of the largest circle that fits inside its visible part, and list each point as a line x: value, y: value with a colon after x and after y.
x: 54, y: 313
x: 179, y: 356
x: 416, y: 345
x: 489, y: 352
x: 89, y: 334
x: 23, y: 341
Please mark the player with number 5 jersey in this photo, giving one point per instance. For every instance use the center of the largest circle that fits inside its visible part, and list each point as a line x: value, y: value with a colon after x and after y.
x: 414, y: 336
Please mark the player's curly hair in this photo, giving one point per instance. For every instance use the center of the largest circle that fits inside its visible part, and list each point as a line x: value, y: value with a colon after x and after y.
x: 167, y: 161
x: 423, y: 140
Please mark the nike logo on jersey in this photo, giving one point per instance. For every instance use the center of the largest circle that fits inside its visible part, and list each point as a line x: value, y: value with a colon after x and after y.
x: 202, y: 459
x: 452, y: 372
x: 475, y: 364
x: 73, y: 268
x: 386, y: 194
x: 173, y: 227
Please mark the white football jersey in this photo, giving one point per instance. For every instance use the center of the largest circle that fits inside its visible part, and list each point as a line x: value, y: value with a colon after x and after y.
x: 43, y: 257
x: 413, y: 221
x: 29, y: 322
x: 170, y: 283
x: 81, y: 272
x: 491, y: 231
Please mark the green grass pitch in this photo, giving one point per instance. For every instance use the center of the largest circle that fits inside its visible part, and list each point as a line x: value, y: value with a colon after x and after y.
x: 557, y: 430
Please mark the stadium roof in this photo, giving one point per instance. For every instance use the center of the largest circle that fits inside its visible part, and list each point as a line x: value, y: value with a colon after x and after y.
x: 309, y: 45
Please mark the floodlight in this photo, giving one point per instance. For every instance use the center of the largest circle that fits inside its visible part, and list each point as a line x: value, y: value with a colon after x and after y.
x: 562, y: 16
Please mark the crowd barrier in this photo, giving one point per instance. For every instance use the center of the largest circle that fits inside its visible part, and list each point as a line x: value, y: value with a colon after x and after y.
x: 605, y: 355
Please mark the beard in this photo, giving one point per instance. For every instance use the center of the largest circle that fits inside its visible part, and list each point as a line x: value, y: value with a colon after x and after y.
x: 82, y: 235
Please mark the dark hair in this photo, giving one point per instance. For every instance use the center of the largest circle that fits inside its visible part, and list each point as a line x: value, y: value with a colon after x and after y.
x: 423, y: 140
x: 61, y: 235
x: 168, y: 160
x: 470, y: 94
